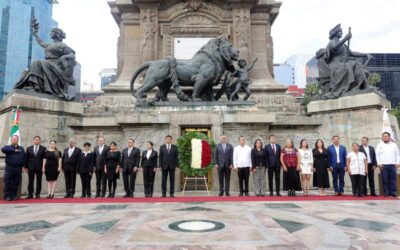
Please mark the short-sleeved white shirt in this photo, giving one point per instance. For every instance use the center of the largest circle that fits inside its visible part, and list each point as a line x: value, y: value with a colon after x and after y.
x: 357, y: 165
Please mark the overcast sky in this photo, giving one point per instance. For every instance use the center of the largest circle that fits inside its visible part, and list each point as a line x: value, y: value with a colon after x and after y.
x: 301, y: 28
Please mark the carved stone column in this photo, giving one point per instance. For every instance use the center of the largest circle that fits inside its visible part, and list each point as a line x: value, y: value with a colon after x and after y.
x: 148, y: 29
x: 242, y: 26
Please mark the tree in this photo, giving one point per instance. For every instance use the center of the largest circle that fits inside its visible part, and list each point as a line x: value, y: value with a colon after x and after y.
x: 396, y: 112
x: 311, y: 90
x: 374, y: 79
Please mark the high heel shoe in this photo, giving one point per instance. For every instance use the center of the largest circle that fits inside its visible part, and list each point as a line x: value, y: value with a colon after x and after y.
x: 52, y: 196
x: 49, y: 196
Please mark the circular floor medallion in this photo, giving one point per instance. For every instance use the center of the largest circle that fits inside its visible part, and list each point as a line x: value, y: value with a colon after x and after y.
x: 196, y: 226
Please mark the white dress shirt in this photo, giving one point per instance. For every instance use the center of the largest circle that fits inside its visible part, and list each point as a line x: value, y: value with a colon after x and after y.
x: 129, y: 151
x: 148, y: 153
x: 387, y: 153
x: 71, y: 151
x: 337, y: 153
x: 366, y: 149
x: 357, y: 165
x: 101, y: 149
x: 242, y: 156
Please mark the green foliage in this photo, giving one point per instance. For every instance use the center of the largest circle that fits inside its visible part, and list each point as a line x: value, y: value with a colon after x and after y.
x: 185, y: 153
x: 396, y: 112
x: 374, y: 79
x: 311, y: 90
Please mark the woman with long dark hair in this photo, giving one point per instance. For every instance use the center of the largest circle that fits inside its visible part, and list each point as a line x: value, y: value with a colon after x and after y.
x: 306, y: 165
x: 290, y: 164
x: 320, y: 167
x: 52, y: 167
x: 111, y: 169
x: 259, y: 168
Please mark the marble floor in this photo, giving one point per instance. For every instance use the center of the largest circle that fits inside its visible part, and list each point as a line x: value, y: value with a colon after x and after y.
x: 365, y: 224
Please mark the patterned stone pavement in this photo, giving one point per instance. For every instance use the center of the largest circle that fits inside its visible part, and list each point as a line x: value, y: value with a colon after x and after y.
x: 210, y: 225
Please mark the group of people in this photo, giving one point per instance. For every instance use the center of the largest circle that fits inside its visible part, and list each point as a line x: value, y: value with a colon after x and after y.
x: 105, y: 162
x: 298, y: 165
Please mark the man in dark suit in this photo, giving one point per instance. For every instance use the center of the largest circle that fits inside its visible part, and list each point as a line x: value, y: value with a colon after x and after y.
x: 223, y: 158
x: 369, y: 152
x: 337, y: 163
x: 168, y: 162
x: 273, y: 154
x: 100, y: 152
x: 33, y: 165
x: 130, y: 162
x: 70, y: 162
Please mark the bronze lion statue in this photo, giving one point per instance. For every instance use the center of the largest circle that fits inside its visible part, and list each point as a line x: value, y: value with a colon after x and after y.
x: 203, y: 71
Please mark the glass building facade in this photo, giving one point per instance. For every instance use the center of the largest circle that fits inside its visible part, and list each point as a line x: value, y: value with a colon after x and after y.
x: 18, y: 47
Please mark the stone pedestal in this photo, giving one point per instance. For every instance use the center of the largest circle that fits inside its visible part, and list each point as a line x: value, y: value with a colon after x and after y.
x: 351, y: 118
x: 41, y: 115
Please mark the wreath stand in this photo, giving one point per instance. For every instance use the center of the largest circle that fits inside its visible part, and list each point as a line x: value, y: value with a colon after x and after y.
x: 195, y: 178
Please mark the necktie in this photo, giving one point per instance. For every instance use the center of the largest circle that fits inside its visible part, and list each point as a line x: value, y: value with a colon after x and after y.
x: 36, y: 150
x: 168, y: 148
x: 273, y: 148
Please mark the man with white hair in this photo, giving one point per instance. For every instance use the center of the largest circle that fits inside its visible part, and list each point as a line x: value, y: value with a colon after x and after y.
x: 15, y: 161
x: 70, y: 161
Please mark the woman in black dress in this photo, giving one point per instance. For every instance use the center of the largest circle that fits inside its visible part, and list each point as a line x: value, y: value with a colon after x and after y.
x: 52, y: 167
x: 321, y: 177
x: 113, y: 158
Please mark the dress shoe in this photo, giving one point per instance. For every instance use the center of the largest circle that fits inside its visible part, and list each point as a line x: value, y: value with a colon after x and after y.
x: 97, y: 196
x: 109, y: 196
x: 227, y: 194
x: 126, y: 196
x: 67, y: 196
x: 29, y: 197
x: 89, y: 195
x: 163, y: 196
x: 220, y: 194
x: 8, y: 199
x: 374, y: 194
x: 37, y: 196
x: 278, y: 194
x: 146, y: 195
x: 271, y: 194
x: 150, y: 195
x: 240, y: 194
x: 71, y: 196
x: 336, y: 194
x: 132, y: 196
x: 247, y: 194
x: 172, y: 196
x: 258, y: 195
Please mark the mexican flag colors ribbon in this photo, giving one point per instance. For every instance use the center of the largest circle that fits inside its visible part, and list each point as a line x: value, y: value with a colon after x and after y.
x: 201, y: 153
x: 16, y: 113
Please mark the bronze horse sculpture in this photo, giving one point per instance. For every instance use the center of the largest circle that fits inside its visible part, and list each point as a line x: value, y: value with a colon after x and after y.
x: 203, y: 71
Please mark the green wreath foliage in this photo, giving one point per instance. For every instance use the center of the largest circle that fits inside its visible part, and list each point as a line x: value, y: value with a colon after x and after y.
x: 185, y: 153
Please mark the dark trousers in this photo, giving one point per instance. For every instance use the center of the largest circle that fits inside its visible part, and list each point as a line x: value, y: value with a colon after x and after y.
x: 101, y: 182
x: 129, y: 178
x: 12, y: 180
x: 271, y: 172
x: 165, y: 173
x: 371, y: 180
x: 224, y: 178
x: 389, y: 180
x: 148, y: 180
x: 85, y: 180
x: 112, y: 185
x: 243, y: 174
x: 357, y: 184
x: 70, y: 181
x: 338, y: 179
x: 32, y: 173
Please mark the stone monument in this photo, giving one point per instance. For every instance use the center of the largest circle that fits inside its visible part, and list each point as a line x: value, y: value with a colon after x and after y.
x: 150, y: 30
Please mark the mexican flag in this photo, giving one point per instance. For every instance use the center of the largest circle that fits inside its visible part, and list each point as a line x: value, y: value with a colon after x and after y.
x: 386, y: 124
x: 201, y: 153
x: 15, y: 125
